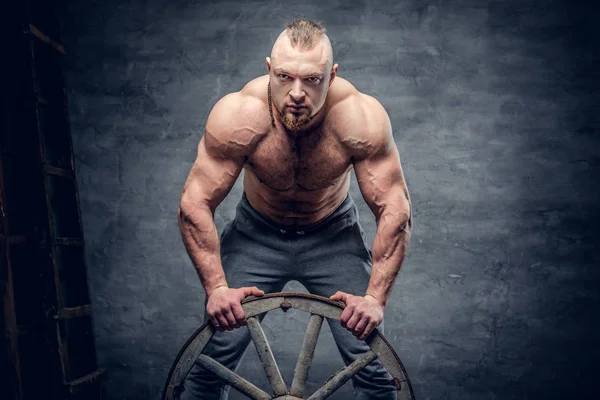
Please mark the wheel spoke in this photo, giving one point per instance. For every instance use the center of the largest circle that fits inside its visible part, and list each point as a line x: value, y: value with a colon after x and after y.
x: 306, y: 355
x: 232, y: 378
x: 266, y: 356
x: 342, y: 376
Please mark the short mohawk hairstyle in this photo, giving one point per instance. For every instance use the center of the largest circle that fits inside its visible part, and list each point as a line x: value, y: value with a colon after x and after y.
x: 304, y: 32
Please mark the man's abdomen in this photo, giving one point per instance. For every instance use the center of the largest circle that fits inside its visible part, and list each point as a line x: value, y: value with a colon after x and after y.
x: 295, y: 207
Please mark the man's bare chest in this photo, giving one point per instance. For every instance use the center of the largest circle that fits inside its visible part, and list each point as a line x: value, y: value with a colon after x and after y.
x: 306, y: 162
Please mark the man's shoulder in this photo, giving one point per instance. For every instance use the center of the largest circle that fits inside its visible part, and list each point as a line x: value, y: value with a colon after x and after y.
x: 359, y: 120
x: 352, y: 108
x: 245, y: 108
x: 257, y: 89
x: 238, y: 119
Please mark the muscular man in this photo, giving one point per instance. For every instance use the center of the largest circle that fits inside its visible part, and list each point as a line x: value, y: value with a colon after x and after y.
x: 297, y: 132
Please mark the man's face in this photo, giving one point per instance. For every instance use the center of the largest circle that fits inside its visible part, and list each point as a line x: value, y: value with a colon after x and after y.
x: 299, y: 83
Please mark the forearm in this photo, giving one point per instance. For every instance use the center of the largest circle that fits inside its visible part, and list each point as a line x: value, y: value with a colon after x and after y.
x: 389, y: 251
x: 201, y: 241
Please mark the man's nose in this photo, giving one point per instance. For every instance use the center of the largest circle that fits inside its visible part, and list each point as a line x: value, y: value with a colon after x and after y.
x: 297, y: 92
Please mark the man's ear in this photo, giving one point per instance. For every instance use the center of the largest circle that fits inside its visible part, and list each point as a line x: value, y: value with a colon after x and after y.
x: 333, y: 73
x: 268, y: 64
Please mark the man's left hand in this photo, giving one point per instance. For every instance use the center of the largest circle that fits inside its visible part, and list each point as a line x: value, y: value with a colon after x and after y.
x: 361, y: 315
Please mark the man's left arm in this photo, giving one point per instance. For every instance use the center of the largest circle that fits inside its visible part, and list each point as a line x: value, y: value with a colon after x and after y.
x: 381, y: 182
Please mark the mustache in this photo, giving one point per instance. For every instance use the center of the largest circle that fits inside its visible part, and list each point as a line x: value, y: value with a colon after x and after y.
x: 295, y: 106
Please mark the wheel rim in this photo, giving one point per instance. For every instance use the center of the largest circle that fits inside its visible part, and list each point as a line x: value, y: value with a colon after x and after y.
x: 319, y: 308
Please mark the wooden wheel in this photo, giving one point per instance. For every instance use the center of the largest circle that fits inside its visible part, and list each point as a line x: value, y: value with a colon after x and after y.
x: 319, y: 308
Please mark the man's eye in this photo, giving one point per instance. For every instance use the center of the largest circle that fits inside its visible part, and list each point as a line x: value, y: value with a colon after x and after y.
x: 313, y: 79
x: 283, y: 76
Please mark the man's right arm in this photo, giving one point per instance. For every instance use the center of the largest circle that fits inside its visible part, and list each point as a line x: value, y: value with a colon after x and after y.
x: 231, y: 134
x: 221, y: 155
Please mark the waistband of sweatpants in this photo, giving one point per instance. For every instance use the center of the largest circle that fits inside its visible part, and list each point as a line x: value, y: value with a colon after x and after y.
x: 345, y: 214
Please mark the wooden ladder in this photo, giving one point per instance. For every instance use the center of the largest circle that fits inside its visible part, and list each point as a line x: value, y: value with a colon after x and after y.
x: 48, y: 330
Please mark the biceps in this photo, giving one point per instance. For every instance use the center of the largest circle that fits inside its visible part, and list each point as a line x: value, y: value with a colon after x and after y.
x: 381, y: 182
x: 210, y: 179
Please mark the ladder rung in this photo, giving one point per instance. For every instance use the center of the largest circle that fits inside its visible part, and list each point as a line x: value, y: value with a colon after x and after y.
x: 16, y: 239
x: 74, y: 312
x: 87, y: 380
x: 19, y: 330
x: 23, y: 330
x: 40, y: 35
x: 65, y: 173
x: 66, y: 241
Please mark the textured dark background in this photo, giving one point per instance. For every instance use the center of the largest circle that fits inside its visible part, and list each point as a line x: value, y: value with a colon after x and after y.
x: 494, y: 106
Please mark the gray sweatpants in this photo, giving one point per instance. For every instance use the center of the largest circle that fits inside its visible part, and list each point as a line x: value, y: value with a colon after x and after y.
x: 328, y: 257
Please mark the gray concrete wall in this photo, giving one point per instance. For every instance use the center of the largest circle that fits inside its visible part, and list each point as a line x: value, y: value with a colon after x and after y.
x: 494, y: 110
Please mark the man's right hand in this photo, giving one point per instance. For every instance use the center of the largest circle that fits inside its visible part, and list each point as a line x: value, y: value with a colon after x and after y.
x: 224, y: 306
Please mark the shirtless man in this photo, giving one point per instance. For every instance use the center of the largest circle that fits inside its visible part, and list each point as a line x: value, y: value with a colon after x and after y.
x: 297, y: 132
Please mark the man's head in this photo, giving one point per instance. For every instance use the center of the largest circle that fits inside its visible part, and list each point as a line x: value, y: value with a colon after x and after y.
x: 300, y: 70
